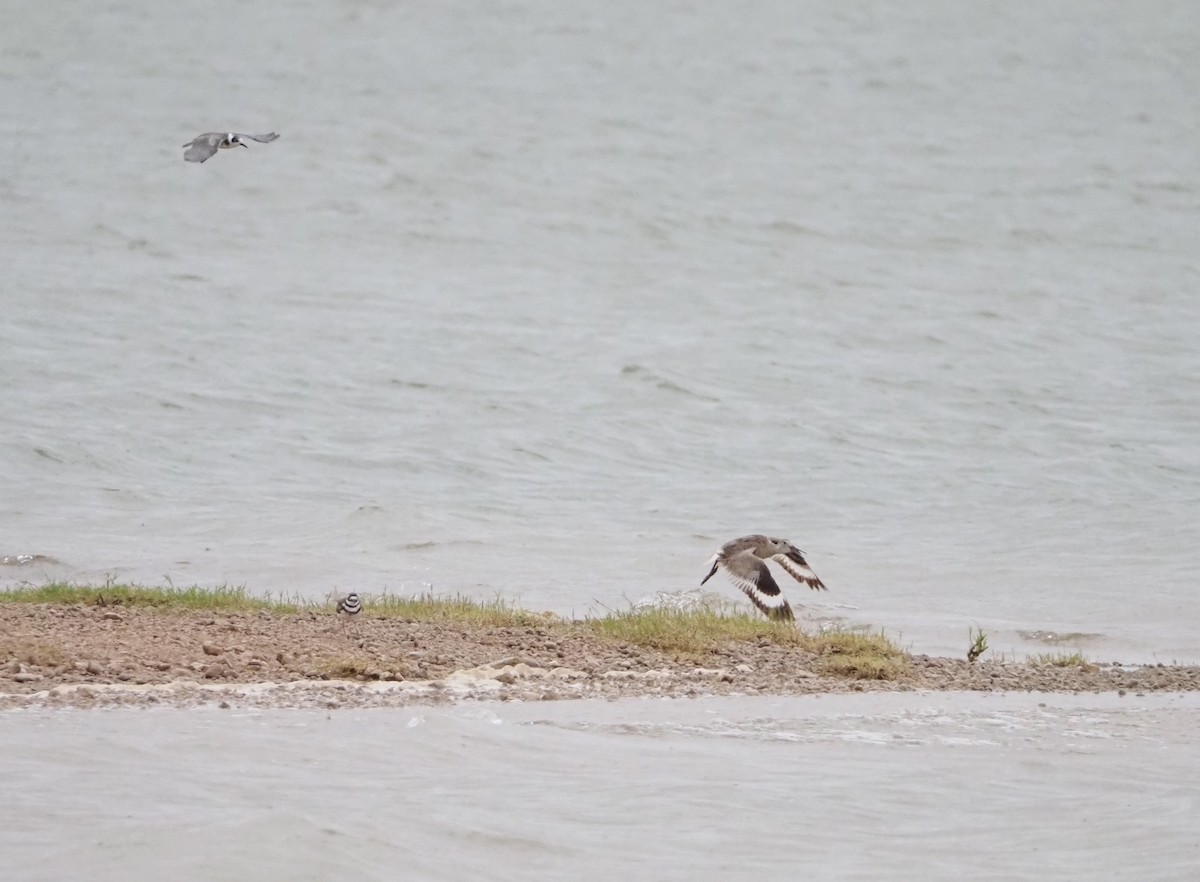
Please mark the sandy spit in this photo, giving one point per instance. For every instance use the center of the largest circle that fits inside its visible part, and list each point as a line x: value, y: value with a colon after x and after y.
x: 90, y: 656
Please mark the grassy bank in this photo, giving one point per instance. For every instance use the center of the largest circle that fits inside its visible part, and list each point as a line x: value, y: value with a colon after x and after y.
x: 695, y: 635
x: 1059, y: 659
x: 224, y: 597
x: 419, y: 608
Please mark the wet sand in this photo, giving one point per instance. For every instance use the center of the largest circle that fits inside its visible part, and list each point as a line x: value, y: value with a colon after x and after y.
x: 91, y: 656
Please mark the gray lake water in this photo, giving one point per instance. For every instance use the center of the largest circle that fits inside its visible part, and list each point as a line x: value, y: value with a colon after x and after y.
x: 549, y: 299
x: 903, y: 786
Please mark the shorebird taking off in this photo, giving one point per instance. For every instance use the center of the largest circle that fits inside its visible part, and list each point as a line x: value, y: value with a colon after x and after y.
x: 203, y: 146
x: 745, y: 560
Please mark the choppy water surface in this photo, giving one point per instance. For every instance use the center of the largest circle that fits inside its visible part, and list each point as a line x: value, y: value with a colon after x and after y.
x: 852, y: 787
x: 549, y: 300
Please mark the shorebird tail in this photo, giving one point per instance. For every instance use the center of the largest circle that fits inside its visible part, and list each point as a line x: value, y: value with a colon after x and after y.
x: 782, y: 613
x: 774, y: 607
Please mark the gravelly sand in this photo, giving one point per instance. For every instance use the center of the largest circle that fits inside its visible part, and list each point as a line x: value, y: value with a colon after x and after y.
x: 88, y: 656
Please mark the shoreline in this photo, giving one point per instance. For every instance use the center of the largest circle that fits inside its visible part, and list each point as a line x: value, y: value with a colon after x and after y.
x: 91, y: 655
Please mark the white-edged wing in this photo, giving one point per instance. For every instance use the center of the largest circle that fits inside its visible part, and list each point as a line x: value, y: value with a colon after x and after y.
x: 752, y: 576
x: 262, y: 139
x: 798, y: 568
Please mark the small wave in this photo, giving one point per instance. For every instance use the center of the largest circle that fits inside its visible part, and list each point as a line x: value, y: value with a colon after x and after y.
x: 23, y: 560
x: 368, y: 511
x: 666, y: 384
x: 1053, y: 638
x: 691, y: 600
x: 793, y: 228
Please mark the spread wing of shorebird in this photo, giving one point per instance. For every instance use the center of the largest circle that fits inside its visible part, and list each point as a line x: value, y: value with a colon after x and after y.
x: 797, y: 567
x: 745, y: 562
x: 203, y: 146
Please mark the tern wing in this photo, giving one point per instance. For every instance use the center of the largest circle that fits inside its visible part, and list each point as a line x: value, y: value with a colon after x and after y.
x: 199, y: 151
x: 202, y: 146
x: 262, y: 139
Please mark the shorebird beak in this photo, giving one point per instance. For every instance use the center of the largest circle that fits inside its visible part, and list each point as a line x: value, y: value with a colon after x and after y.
x: 241, y: 143
x: 710, y: 574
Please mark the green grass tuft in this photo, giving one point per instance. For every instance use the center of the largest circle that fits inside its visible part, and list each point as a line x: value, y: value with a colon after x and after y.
x: 224, y: 597
x: 860, y: 656
x: 495, y: 613
x: 1059, y: 659
x: 694, y: 632
x: 979, y: 644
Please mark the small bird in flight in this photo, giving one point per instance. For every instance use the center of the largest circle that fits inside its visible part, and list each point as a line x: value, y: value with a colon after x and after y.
x: 203, y: 146
x: 745, y: 560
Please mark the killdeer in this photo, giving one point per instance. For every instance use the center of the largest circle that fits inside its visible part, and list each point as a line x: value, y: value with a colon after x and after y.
x: 348, y: 606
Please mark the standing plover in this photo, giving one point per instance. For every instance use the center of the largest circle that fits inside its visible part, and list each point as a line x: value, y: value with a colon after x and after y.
x: 745, y: 560
x: 349, y: 606
x: 203, y: 146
